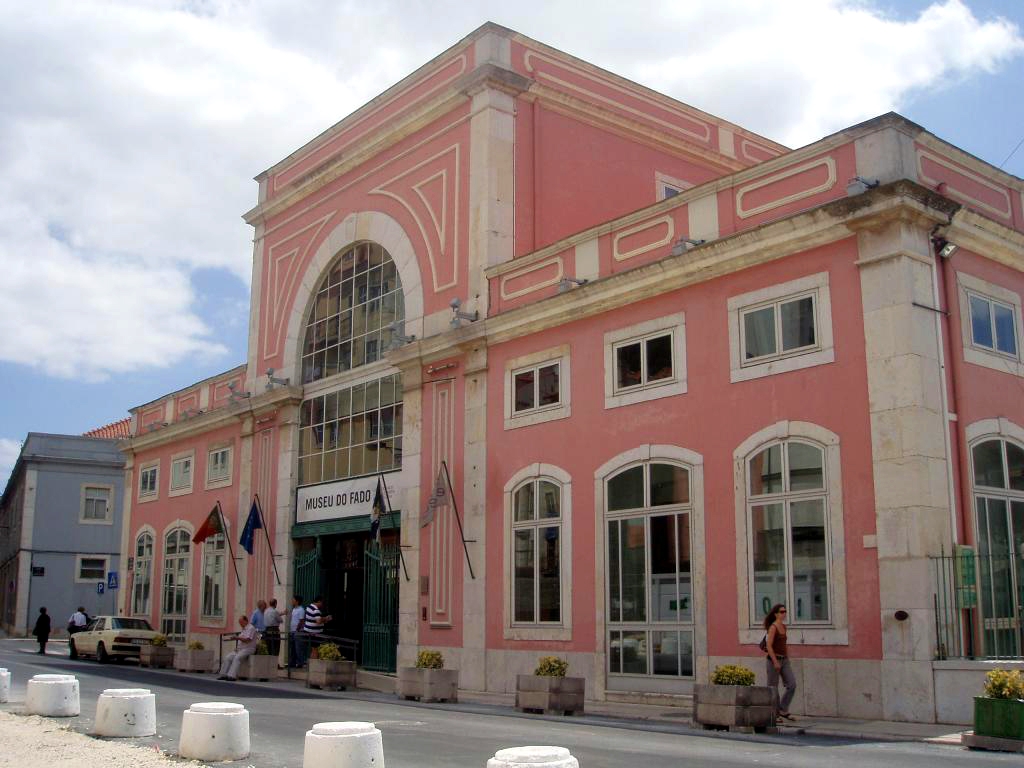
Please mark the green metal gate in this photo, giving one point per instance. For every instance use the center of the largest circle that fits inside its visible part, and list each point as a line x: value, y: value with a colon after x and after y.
x: 380, y: 608
x: 308, y: 573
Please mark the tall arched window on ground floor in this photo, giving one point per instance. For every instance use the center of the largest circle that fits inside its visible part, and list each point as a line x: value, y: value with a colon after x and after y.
x: 214, y: 562
x: 177, y: 567
x: 142, y: 575
x: 537, y: 553
x: 648, y: 518
x: 998, y: 493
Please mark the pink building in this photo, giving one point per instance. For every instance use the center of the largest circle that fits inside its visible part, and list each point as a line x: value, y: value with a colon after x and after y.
x: 690, y: 373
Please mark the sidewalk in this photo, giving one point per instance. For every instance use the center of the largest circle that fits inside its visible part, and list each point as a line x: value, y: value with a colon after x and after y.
x: 380, y: 688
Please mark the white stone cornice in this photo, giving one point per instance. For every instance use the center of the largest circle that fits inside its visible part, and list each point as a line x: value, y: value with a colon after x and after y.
x: 984, y: 236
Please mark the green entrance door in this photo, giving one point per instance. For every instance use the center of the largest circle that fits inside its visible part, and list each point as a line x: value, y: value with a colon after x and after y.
x: 380, y: 607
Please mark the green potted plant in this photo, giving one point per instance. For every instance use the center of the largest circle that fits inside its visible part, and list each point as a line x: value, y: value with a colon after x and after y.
x: 157, y: 653
x: 428, y: 680
x: 549, y: 690
x: 999, y: 713
x: 193, y: 658
x: 260, y: 665
x: 331, y: 669
x: 732, y: 701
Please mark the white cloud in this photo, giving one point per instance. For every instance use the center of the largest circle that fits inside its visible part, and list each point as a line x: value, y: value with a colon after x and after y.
x: 9, y: 450
x: 130, y: 131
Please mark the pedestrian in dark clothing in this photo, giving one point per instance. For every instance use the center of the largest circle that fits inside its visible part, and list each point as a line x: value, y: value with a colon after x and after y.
x: 42, y: 629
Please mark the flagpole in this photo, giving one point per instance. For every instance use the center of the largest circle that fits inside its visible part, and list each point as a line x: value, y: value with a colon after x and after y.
x: 263, y: 523
x: 458, y: 520
x: 387, y: 499
x: 231, y: 551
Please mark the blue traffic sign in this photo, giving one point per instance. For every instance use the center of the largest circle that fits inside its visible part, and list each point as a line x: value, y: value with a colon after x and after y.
x: 99, y: 587
x: 112, y: 580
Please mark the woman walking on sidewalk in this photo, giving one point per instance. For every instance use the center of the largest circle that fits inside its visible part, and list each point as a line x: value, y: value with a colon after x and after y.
x: 778, y: 657
x: 42, y: 629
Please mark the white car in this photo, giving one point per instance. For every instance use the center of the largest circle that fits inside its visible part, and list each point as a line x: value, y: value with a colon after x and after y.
x: 111, y: 637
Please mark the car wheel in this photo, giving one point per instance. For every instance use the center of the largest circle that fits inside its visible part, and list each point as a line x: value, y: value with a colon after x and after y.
x: 101, y: 654
x: 72, y: 651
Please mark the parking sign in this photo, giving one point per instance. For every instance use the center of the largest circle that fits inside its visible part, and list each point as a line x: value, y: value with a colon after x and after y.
x: 99, y: 587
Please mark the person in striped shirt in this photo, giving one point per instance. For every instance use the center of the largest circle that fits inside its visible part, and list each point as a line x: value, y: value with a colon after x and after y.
x: 314, y: 622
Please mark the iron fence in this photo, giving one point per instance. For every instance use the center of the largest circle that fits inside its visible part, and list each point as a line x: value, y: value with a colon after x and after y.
x: 979, y: 605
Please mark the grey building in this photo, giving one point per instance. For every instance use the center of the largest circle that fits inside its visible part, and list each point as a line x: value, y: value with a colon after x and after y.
x: 60, y: 530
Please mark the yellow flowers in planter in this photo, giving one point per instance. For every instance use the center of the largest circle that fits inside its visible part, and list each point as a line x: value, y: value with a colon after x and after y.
x: 160, y: 641
x: 196, y: 645
x: 732, y: 674
x: 329, y: 652
x: 429, y: 660
x: 551, y: 666
x: 1004, y: 684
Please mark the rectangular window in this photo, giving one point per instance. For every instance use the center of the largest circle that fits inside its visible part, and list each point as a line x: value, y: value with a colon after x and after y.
x: 993, y: 325
x: 643, y: 362
x: 218, y: 465
x: 147, y: 480
x: 181, y: 473
x: 535, y: 388
x: 92, y: 569
x: 96, y: 504
x: 779, y: 329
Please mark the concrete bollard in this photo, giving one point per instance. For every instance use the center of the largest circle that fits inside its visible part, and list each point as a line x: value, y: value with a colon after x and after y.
x: 214, y: 731
x: 5, y: 686
x: 343, y: 745
x: 533, y: 757
x: 126, y: 712
x: 53, y: 696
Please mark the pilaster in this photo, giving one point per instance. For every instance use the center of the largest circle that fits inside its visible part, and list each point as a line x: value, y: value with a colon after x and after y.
x: 909, y: 456
x: 412, y: 440
x: 473, y: 669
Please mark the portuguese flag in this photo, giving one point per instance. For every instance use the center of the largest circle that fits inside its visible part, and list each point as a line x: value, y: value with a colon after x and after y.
x: 211, y: 527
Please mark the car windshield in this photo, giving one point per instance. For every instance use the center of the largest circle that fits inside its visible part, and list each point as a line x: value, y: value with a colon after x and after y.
x: 131, y: 624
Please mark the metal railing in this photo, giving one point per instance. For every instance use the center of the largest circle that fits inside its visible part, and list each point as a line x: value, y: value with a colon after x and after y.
x: 979, y: 605
x: 349, y: 648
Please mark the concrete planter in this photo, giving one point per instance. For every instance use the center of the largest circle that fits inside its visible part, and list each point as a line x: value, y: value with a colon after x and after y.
x: 550, y: 694
x: 258, y: 667
x: 735, y: 706
x: 156, y: 656
x: 331, y: 674
x: 193, y: 661
x: 428, y: 684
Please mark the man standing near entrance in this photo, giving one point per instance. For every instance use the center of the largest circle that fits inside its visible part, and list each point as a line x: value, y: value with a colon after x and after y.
x: 296, y: 657
x: 257, y: 616
x: 272, y: 627
x: 314, y: 622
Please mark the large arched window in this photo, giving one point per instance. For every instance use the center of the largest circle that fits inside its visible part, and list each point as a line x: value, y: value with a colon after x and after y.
x: 177, y: 566
x: 787, y: 513
x: 349, y: 324
x: 537, y: 552
x: 214, y: 563
x: 648, y: 511
x: 143, y: 574
x: 998, y: 480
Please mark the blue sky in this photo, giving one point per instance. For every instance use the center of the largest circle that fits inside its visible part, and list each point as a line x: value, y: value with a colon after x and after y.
x: 130, y: 133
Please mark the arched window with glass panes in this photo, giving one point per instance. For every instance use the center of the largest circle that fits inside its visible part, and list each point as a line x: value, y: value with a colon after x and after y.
x: 353, y: 429
x: 998, y: 490
x: 650, y: 584
x: 142, y: 575
x: 537, y: 552
x: 788, y: 523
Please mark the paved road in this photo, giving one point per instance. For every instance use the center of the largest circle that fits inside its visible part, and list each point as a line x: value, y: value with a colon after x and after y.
x: 426, y: 736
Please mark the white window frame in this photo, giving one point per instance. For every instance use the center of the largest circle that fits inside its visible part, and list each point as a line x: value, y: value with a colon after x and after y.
x: 821, y: 353
x: 220, y: 482
x: 836, y: 631
x: 663, y: 181
x: 209, y: 553
x: 143, y: 469
x: 146, y: 531
x: 185, y: 487
x: 538, y: 415
x: 675, y: 324
x: 539, y: 630
x: 78, y: 568
x: 983, y: 356
x: 108, y: 519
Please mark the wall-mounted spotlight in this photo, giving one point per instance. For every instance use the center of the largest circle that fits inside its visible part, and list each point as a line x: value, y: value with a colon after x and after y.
x: 683, y: 244
x: 566, y: 283
x: 858, y: 184
x: 943, y: 247
x: 398, y: 338
x: 271, y: 381
x: 458, y: 316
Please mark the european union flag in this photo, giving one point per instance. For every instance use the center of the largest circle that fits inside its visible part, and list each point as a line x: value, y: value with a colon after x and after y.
x: 251, y: 524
